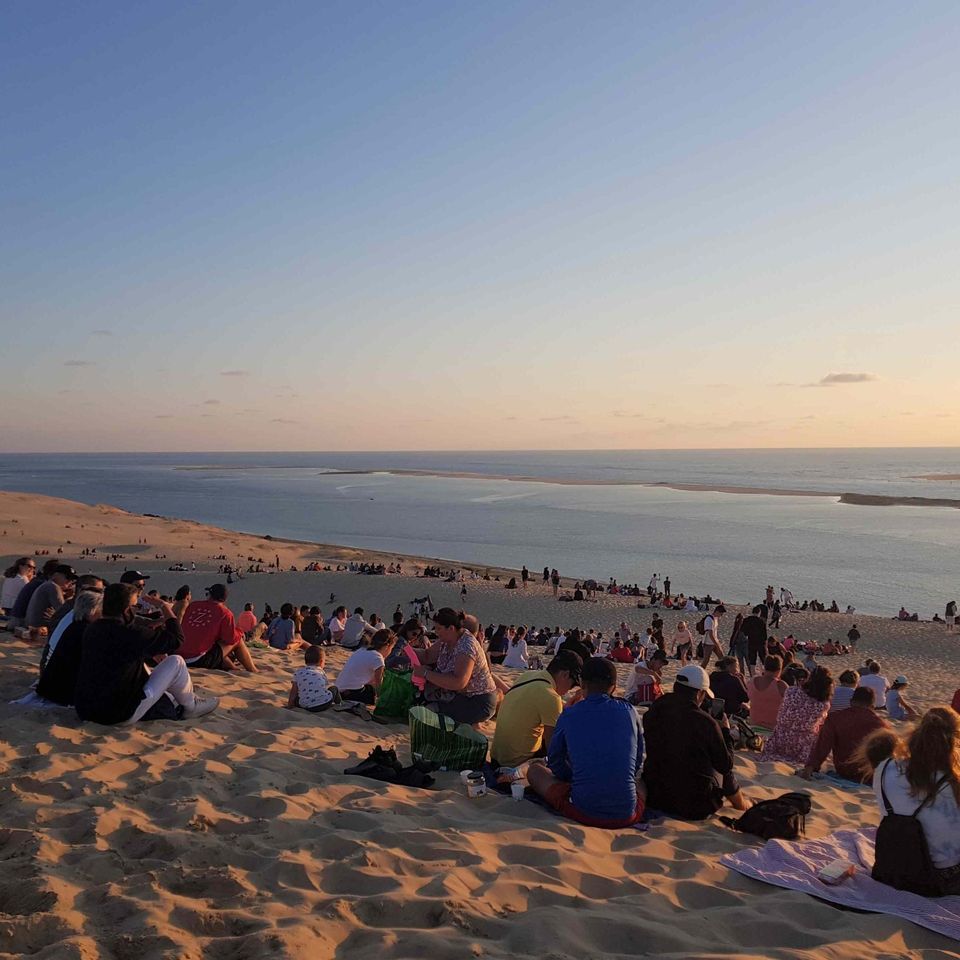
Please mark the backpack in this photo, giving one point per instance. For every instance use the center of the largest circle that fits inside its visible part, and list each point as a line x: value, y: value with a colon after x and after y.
x: 702, y: 626
x: 784, y: 818
x: 902, y: 854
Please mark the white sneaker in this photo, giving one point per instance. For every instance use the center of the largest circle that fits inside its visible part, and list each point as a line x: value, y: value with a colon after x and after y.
x: 201, y: 707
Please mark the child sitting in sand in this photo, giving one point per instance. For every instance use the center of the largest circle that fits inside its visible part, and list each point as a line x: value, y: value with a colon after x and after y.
x: 310, y: 688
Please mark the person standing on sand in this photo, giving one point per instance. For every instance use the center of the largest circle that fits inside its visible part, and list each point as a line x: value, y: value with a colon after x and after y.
x: 711, y: 625
x: 666, y: 587
x: 525, y: 576
x: 555, y: 581
x: 853, y: 638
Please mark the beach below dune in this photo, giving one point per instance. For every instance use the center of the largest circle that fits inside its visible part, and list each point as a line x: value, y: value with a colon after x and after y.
x: 238, y: 836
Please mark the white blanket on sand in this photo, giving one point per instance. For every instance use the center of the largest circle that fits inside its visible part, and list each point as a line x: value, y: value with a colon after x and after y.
x: 794, y: 865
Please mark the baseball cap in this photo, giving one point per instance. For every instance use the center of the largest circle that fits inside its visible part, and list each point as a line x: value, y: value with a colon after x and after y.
x: 900, y: 681
x: 65, y: 570
x: 217, y: 591
x: 695, y: 677
x: 132, y: 576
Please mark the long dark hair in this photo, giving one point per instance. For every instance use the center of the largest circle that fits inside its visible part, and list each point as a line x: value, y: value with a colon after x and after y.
x: 14, y: 568
x: 820, y: 685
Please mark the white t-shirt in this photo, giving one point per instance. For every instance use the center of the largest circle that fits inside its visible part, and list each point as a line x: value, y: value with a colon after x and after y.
x: 516, y: 655
x: 359, y: 669
x: 940, y: 818
x: 11, y: 590
x: 353, y: 630
x: 878, y: 685
x: 311, y: 684
x: 709, y: 631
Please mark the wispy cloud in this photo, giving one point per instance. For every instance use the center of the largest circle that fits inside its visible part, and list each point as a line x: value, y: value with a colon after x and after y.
x: 561, y: 417
x: 833, y: 378
x: 234, y: 373
x: 163, y: 416
x: 623, y: 415
x: 102, y: 333
x: 211, y: 403
x: 79, y: 363
x: 283, y: 420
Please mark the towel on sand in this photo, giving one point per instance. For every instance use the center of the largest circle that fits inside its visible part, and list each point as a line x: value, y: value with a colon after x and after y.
x: 795, y: 865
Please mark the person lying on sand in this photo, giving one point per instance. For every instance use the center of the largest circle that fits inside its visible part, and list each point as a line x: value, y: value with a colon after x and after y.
x: 592, y: 773
x: 113, y: 683
x: 211, y: 639
x: 530, y: 710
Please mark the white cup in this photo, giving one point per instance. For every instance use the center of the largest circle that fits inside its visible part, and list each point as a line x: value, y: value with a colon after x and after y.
x: 516, y: 790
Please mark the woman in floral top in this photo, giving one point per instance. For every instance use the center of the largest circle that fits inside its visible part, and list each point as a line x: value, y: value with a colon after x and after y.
x: 455, y: 668
x: 800, y: 718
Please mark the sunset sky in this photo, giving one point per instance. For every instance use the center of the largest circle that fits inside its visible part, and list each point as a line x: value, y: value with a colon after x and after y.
x: 358, y: 226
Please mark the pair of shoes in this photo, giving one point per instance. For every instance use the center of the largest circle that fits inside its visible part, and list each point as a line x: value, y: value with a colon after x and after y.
x: 380, y: 765
x: 200, y: 707
x: 343, y: 705
x: 362, y: 711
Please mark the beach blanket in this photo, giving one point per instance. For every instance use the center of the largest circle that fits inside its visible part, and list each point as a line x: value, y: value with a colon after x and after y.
x: 795, y: 865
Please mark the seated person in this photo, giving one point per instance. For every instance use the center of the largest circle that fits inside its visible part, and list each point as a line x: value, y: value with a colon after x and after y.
x: 311, y: 630
x: 360, y: 678
x: 247, y: 621
x: 766, y: 693
x: 620, y: 653
x: 211, y: 639
x: 646, y: 680
x: 727, y: 683
x: 310, y: 688
x: 530, y: 710
x: 355, y: 630
x: 956, y: 701
x: 113, y: 683
x: 58, y: 677
x: 928, y: 777
x: 896, y: 703
x: 877, y: 683
x: 459, y: 682
x: 689, y: 767
x: 282, y: 633
x: 843, y: 693
x: 842, y: 734
x: 592, y: 773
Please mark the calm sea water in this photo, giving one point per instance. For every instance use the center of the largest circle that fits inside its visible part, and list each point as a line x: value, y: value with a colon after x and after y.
x: 873, y: 557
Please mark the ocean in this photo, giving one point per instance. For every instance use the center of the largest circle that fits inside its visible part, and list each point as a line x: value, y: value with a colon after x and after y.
x: 593, y: 519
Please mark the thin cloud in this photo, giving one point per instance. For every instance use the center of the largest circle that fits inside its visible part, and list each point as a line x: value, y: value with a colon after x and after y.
x: 623, y: 415
x: 564, y: 416
x: 163, y: 416
x: 832, y: 378
x: 283, y: 420
x: 211, y: 403
x: 234, y: 373
x: 79, y: 363
x: 102, y: 333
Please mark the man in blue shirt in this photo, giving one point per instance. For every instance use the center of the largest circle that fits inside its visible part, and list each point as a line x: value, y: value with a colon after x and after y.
x: 592, y: 774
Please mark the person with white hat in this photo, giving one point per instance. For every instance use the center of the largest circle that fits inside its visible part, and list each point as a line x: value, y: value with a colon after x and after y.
x: 897, y: 706
x: 688, y: 770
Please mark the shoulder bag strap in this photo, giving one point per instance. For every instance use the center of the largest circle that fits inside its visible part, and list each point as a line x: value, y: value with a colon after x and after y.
x: 517, y: 686
x: 883, y: 793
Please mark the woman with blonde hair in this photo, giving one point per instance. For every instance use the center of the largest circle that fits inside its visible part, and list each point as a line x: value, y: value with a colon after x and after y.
x: 682, y: 643
x: 925, y: 773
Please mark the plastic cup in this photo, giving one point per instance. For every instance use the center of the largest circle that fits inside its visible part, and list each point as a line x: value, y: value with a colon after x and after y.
x: 516, y: 790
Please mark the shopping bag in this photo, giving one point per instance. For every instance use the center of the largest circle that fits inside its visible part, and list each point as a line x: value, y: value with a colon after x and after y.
x: 440, y: 739
x: 396, y: 695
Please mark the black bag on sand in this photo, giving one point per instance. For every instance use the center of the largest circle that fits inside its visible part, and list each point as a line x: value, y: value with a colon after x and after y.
x: 902, y: 853
x: 784, y: 818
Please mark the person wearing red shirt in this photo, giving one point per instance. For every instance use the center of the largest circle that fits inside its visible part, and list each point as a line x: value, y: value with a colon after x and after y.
x: 211, y: 638
x: 247, y: 621
x: 842, y: 732
x: 620, y: 653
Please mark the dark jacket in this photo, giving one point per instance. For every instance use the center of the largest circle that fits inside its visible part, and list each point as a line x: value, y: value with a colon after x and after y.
x: 688, y: 769
x: 58, y: 677
x: 112, y: 672
x: 733, y: 691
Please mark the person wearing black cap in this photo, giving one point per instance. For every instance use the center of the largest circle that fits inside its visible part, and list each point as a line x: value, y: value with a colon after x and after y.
x: 139, y: 580
x: 530, y: 710
x: 211, y: 638
x: 50, y: 595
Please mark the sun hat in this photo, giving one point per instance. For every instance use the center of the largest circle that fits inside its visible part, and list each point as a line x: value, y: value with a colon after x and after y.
x: 900, y: 681
x: 695, y: 677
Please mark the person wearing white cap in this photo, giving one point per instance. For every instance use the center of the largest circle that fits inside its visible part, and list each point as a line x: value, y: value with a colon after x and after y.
x: 897, y: 706
x: 688, y: 770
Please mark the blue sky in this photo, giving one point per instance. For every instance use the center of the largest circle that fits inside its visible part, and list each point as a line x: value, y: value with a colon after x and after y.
x: 252, y: 226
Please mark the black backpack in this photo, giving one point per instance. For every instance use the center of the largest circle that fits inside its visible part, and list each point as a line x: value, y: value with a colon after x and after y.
x: 784, y: 818
x: 902, y: 853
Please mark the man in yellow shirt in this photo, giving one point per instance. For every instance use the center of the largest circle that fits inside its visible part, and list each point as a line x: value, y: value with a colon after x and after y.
x: 531, y: 708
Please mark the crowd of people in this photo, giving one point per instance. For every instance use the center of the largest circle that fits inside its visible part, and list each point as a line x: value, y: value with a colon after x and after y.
x: 122, y: 654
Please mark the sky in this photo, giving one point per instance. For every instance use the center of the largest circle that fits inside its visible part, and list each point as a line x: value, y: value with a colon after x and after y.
x: 452, y: 225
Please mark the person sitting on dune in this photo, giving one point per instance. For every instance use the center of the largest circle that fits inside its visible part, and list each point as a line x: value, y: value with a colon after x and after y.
x: 310, y: 688
x: 897, y: 706
x: 360, y: 678
x: 459, y: 680
x: 592, y: 773
x: 842, y: 734
x: 58, y: 676
x: 282, y: 632
x: 211, y: 639
x: 530, y: 710
x: 114, y: 685
x: 689, y: 766
x: 802, y: 714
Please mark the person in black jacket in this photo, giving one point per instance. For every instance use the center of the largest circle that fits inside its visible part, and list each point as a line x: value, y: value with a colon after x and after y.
x: 58, y: 676
x: 688, y: 770
x: 113, y: 683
